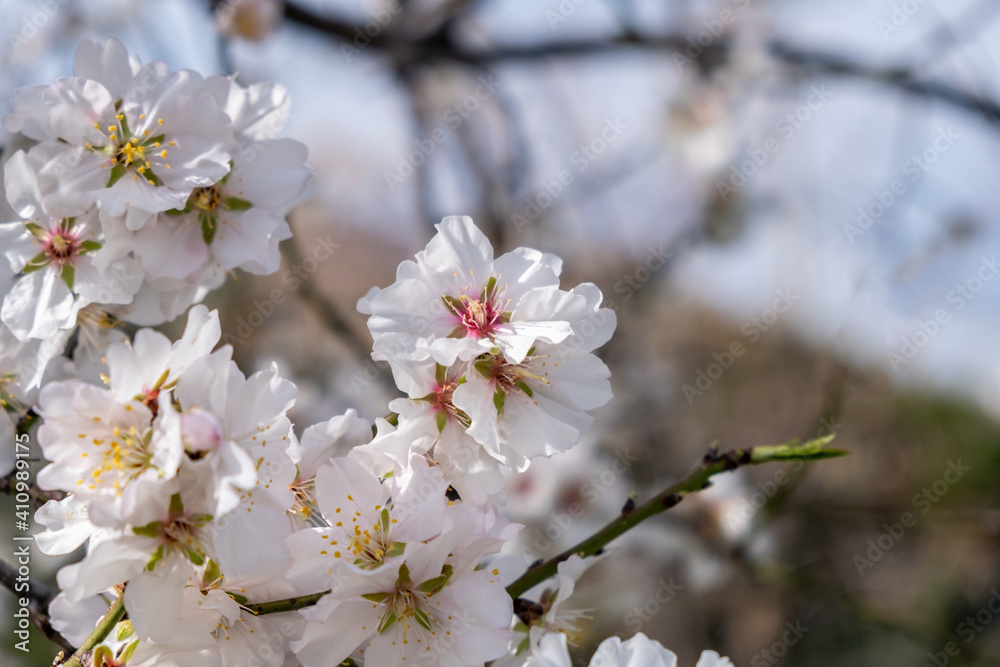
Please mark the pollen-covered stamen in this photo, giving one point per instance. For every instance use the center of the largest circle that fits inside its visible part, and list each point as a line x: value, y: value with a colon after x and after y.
x: 411, y: 605
x: 7, y: 400
x: 206, y: 199
x: 94, y: 316
x: 567, y: 621
x: 183, y: 532
x: 509, y: 378
x: 441, y: 399
x: 353, y: 535
x: 136, y: 153
x: 304, y: 492
x: 61, y: 244
x: 478, y: 314
x: 126, y: 457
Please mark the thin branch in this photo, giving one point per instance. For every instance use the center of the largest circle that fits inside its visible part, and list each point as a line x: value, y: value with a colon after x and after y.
x: 711, y: 465
x: 289, y: 604
x: 39, y: 596
x: 8, y: 484
x: 441, y: 46
x: 899, y: 77
x: 326, y: 311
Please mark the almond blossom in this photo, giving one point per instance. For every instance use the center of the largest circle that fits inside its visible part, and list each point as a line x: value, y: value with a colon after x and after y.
x: 57, y: 259
x: 369, y: 523
x: 456, y: 302
x: 639, y: 651
x: 137, y: 139
x: 425, y: 608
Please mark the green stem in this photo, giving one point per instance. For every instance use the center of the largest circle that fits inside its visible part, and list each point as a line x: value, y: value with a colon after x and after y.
x: 713, y: 464
x: 290, y: 604
x: 103, y: 629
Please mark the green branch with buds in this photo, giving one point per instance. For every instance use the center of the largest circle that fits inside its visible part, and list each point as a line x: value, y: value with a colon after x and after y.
x: 699, y: 479
x: 713, y: 464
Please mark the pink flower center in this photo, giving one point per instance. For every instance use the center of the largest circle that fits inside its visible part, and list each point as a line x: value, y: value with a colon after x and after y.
x: 479, y: 315
x: 441, y: 399
x: 61, y: 246
x: 478, y: 318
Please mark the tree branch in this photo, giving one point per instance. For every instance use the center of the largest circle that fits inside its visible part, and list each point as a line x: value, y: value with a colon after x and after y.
x: 8, y: 484
x: 900, y: 77
x: 39, y: 596
x: 711, y: 465
x: 440, y: 45
x: 326, y: 311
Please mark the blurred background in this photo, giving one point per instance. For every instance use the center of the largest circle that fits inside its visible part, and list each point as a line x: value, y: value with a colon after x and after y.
x: 791, y: 206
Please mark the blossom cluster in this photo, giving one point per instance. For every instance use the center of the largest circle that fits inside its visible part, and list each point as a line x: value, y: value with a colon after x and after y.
x: 143, y: 189
x: 232, y: 539
x: 495, y: 359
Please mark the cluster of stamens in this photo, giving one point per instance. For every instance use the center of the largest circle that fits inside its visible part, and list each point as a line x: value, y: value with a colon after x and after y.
x: 512, y: 378
x: 125, y: 457
x: 368, y: 544
x: 182, y: 532
x: 479, y: 315
x: 133, y: 152
x: 304, y: 492
x: 61, y: 246
x: 207, y: 198
x: 441, y: 399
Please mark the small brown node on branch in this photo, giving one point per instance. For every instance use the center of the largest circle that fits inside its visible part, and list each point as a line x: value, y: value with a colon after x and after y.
x: 670, y: 500
x: 629, y: 505
x: 528, y: 611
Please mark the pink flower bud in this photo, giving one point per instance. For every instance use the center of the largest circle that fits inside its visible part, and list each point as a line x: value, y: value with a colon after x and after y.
x: 201, y: 431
